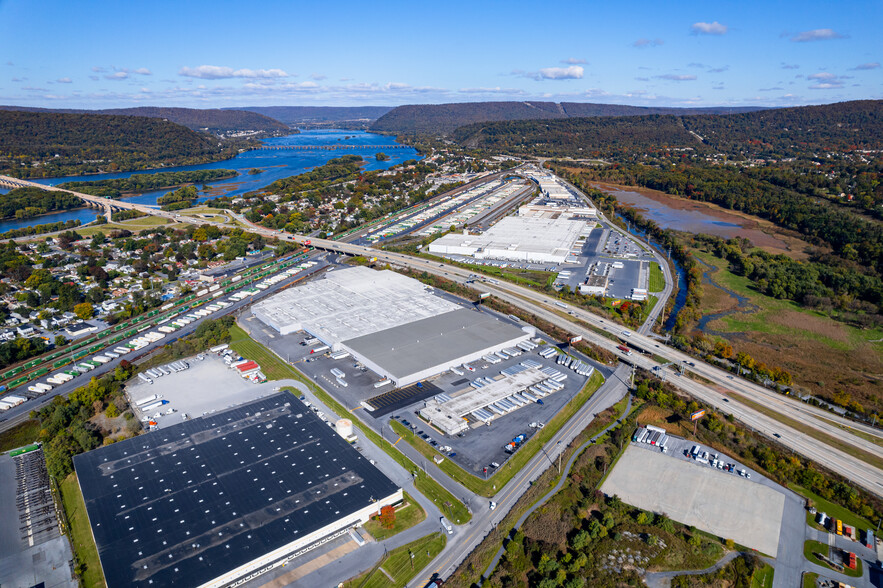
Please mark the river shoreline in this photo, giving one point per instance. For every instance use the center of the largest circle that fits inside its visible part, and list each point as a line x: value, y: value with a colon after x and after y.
x: 693, y: 216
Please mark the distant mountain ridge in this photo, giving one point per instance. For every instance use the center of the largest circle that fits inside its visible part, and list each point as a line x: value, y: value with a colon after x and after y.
x: 49, y: 144
x: 320, y: 115
x: 444, y: 118
x: 216, y: 120
x: 778, y: 132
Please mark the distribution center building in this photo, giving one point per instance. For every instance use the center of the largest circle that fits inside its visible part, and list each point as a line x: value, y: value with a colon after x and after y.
x: 219, y: 500
x: 519, y: 238
x: 393, y: 324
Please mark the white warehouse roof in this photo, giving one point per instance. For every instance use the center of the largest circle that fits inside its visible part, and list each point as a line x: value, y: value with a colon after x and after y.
x: 543, y: 240
x: 350, y: 303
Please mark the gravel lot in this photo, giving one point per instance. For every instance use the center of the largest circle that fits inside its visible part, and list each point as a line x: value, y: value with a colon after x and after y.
x: 208, y: 385
x: 721, y: 503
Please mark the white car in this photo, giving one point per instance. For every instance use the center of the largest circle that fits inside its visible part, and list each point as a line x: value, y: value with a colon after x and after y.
x: 493, y: 505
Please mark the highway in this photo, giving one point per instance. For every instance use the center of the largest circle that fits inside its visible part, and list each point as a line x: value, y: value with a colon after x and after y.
x: 721, y: 381
x: 852, y: 468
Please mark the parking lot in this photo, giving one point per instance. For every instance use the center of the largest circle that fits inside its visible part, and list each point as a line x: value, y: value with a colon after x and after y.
x: 484, y: 445
x: 480, y: 446
x: 208, y: 385
x: 728, y: 505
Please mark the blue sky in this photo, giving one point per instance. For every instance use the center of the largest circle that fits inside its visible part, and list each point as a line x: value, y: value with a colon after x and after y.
x: 101, y: 54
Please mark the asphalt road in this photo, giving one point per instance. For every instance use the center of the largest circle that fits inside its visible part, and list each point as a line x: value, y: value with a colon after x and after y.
x: 721, y: 382
x: 468, y: 537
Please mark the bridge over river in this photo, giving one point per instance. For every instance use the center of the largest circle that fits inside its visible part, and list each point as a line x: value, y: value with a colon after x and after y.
x: 329, y: 147
x: 108, y: 205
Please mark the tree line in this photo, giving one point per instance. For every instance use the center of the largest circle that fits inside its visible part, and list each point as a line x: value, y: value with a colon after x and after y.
x: 28, y: 202
x: 116, y: 187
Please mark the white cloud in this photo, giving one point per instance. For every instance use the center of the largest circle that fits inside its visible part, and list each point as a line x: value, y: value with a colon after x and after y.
x: 826, y: 81
x: 642, y: 42
x: 98, y: 69
x: 142, y: 71
x: 120, y: 75
x: 790, y: 66
x: 318, y: 77
x: 573, y: 61
x: 864, y: 66
x: 574, y: 72
x: 494, y: 90
x: 677, y: 77
x: 216, y: 72
x: 64, y: 80
x: 708, y: 28
x: 817, y: 35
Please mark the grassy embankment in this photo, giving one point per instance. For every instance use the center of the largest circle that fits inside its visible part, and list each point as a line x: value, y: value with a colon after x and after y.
x: 810, y: 548
x: 514, y: 464
x: 407, y: 516
x: 835, y: 511
x: 397, y: 568
x: 763, y: 578
x: 276, y: 369
x: 80, y: 533
x: 810, y: 579
x: 20, y: 435
x: 822, y: 354
x: 657, y: 278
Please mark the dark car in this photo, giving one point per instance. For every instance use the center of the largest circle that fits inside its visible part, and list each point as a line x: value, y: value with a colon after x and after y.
x: 777, y: 436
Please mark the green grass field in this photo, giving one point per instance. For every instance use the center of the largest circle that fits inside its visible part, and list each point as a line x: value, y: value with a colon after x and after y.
x: 400, y: 565
x: 832, y: 510
x: 406, y: 518
x: 20, y: 435
x: 499, y: 479
x: 276, y: 369
x: 657, y: 278
x: 761, y: 321
x: 80, y: 532
x: 810, y: 579
x: 763, y: 578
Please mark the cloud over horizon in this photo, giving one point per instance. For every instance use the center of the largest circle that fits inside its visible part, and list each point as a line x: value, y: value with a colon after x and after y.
x: 708, y: 28
x: 817, y: 35
x: 574, y: 72
x: 642, y: 42
x: 676, y: 77
x: 216, y: 72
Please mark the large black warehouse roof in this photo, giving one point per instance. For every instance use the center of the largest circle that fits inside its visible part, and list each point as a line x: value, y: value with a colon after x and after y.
x: 186, y: 504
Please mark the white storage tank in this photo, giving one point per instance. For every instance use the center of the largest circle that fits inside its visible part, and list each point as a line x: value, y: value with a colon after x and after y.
x: 344, y: 428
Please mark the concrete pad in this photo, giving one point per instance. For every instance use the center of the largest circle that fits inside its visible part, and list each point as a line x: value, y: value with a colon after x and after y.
x: 723, y: 504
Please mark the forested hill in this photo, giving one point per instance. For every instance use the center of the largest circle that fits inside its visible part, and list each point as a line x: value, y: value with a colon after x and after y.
x: 321, y: 115
x: 215, y: 120
x: 45, y: 144
x: 444, y: 118
x: 777, y: 133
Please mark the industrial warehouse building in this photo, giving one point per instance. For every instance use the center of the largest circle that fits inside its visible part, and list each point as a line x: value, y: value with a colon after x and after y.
x: 519, y: 238
x: 221, y: 499
x: 393, y: 324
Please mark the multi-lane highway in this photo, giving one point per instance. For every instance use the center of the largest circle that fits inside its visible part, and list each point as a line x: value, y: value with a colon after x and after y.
x: 853, y: 468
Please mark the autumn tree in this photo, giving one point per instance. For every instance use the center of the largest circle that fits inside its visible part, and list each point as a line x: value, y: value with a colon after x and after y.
x: 387, y: 517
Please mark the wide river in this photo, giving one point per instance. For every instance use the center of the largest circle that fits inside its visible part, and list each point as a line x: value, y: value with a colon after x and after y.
x: 276, y: 164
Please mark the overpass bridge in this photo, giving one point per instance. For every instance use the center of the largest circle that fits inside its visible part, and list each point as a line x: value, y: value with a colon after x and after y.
x: 108, y: 205
x: 328, y: 147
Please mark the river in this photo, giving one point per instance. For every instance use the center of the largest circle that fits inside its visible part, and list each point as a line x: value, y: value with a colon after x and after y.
x: 277, y: 164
